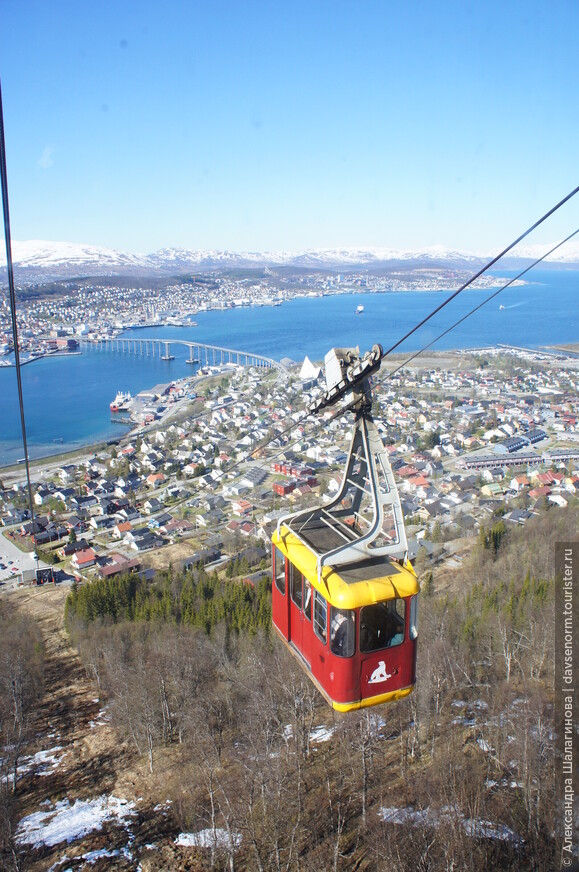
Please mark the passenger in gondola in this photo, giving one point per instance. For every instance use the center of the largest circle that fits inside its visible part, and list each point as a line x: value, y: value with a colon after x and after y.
x: 342, y: 632
x: 380, y: 627
x: 307, y: 599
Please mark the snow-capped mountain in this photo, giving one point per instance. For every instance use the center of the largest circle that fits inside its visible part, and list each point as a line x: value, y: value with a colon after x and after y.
x: 37, y: 253
x: 39, y: 259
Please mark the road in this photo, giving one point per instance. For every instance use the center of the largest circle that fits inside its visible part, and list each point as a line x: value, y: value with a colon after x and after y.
x: 10, y: 575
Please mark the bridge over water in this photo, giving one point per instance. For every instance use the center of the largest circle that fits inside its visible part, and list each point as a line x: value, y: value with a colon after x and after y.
x: 199, y: 353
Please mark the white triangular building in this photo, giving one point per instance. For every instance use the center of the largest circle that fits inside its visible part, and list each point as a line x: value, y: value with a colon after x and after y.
x: 309, y: 372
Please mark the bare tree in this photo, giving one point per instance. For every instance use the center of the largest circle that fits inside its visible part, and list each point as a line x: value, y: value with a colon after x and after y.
x: 21, y: 686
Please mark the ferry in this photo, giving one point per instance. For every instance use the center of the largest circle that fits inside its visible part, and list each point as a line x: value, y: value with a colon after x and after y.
x: 121, y: 402
x: 359, y: 310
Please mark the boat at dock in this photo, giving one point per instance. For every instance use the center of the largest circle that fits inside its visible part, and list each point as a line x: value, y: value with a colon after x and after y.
x: 121, y: 402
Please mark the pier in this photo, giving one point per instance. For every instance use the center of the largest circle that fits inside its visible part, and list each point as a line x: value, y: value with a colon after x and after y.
x: 199, y: 353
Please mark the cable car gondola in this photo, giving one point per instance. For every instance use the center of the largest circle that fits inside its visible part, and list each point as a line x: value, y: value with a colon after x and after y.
x: 344, y: 594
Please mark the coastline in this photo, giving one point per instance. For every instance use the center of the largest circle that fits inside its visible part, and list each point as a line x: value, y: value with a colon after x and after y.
x: 92, y: 448
x: 445, y: 358
x: 67, y: 396
x: 484, y: 283
x: 42, y: 356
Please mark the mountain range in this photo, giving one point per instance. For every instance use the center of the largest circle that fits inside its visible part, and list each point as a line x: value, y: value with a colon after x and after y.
x: 34, y: 260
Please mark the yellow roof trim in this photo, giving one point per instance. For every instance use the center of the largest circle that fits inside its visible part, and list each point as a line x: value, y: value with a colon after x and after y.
x: 334, y: 588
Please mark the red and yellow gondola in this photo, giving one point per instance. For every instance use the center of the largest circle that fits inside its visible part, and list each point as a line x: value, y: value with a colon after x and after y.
x: 344, y: 594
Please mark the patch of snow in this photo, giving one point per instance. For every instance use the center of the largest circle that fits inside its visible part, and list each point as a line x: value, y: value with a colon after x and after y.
x: 484, y: 745
x: 163, y: 806
x: 56, y: 867
x: 404, y: 816
x: 42, y: 763
x: 66, y: 822
x: 102, y: 718
x: 208, y: 838
x: 479, y: 829
x: 93, y: 856
x: 321, y: 734
x: 474, y: 827
x: 46, y: 761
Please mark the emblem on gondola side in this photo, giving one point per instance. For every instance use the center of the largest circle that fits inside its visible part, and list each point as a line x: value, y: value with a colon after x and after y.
x: 379, y: 674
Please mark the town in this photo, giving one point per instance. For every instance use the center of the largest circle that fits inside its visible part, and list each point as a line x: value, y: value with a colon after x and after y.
x: 474, y: 439
x: 57, y: 317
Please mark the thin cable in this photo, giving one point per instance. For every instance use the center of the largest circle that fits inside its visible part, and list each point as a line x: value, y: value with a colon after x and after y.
x: 10, y: 271
x: 343, y: 409
x: 483, y: 270
x: 476, y: 308
x: 455, y: 294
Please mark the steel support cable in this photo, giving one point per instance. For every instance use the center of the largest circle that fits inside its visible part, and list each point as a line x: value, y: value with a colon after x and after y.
x: 455, y: 294
x: 343, y: 409
x: 480, y: 305
x: 483, y: 269
x: 12, y: 294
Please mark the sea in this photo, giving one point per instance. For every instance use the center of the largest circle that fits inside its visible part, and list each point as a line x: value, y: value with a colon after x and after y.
x: 66, y: 399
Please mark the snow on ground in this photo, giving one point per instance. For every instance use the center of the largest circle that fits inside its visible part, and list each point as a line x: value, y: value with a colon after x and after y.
x: 93, y: 856
x: 324, y: 734
x: 66, y: 822
x: 164, y: 806
x: 404, y: 815
x: 208, y: 839
x: 321, y: 734
x: 100, y: 721
x: 489, y: 830
x: 58, y: 866
x: 102, y: 718
x: 42, y: 763
x: 474, y: 827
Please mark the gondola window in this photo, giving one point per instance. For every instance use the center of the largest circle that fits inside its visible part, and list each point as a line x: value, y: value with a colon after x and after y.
x: 280, y: 562
x: 342, y: 632
x: 382, y: 625
x: 320, y: 616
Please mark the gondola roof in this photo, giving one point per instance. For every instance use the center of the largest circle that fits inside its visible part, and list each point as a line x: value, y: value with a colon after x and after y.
x: 364, y: 582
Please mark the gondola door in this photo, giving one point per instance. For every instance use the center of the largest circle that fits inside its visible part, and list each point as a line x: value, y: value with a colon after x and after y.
x: 299, y: 624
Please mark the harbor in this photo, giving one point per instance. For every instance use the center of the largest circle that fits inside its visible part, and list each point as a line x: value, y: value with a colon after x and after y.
x: 69, y: 396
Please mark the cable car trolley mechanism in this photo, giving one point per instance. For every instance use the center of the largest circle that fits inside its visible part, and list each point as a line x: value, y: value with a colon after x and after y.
x: 344, y: 594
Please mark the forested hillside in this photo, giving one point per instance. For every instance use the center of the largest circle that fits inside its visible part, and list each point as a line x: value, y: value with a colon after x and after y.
x: 459, y: 776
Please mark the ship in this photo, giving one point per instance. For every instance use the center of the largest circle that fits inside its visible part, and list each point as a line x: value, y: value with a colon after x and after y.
x: 359, y: 310
x: 121, y: 402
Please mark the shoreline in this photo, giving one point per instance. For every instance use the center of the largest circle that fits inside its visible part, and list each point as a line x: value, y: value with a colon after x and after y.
x: 494, y: 282
x: 450, y: 357
x: 8, y: 364
x: 83, y: 450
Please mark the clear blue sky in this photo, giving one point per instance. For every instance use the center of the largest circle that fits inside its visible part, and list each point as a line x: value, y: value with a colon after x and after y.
x: 305, y: 124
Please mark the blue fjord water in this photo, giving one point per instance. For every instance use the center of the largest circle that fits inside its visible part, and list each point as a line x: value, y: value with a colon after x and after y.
x: 67, y: 398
